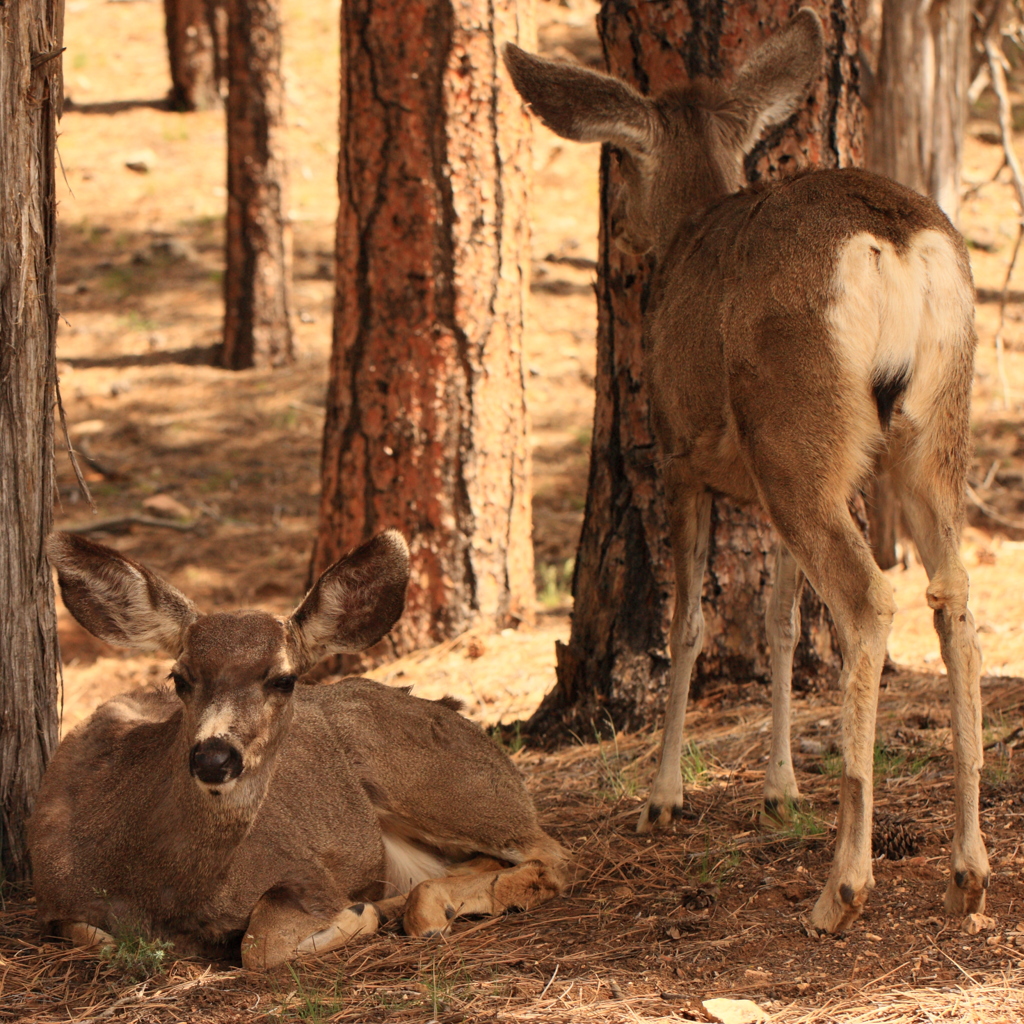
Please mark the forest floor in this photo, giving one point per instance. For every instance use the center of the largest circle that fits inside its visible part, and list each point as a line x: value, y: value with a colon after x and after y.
x: 652, y: 925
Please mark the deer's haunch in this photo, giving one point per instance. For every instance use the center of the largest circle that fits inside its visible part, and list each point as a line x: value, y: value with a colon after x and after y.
x: 241, y: 807
x: 797, y: 336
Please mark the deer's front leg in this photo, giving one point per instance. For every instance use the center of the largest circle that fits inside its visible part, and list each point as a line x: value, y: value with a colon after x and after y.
x: 690, y: 522
x: 280, y: 930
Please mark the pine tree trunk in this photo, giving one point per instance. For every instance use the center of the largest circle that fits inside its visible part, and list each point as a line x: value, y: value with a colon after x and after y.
x: 612, y: 670
x: 257, y: 277
x: 31, y: 34
x: 426, y: 420
x: 919, y: 104
x: 192, y: 50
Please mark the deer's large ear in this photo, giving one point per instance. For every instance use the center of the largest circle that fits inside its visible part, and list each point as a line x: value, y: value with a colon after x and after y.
x: 580, y: 104
x: 355, y: 602
x: 777, y: 77
x: 116, y: 598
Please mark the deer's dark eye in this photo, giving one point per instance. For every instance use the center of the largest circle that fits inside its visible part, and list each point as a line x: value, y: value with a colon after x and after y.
x: 283, y: 684
x: 182, y: 687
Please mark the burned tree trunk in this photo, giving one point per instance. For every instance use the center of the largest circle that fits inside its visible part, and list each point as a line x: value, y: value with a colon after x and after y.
x: 612, y: 670
x: 31, y: 33
x: 257, y: 276
x: 426, y: 422
x: 193, y: 53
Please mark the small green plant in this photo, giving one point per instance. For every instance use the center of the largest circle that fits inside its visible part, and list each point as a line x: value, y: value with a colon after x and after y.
x: 554, y: 583
x: 832, y: 764
x: 891, y: 763
x: 314, y: 1005
x: 714, y: 868
x: 617, y: 782
x: 445, y: 986
x: 800, y: 824
x: 693, y: 763
x: 135, y: 957
x: 508, y: 738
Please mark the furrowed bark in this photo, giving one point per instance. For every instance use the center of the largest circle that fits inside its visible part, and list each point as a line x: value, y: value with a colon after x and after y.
x: 31, y: 91
x: 192, y: 45
x: 257, y: 277
x: 426, y: 419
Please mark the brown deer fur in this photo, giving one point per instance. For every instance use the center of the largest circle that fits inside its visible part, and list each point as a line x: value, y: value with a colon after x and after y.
x: 797, y: 334
x: 244, y: 807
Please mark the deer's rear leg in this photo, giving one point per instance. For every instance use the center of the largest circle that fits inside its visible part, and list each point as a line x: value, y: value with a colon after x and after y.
x: 932, y: 513
x: 690, y: 522
x: 473, y: 889
x: 781, y: 792
x: 837, y: 561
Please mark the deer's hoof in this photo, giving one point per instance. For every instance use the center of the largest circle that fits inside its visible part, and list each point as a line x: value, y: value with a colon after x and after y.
x: 838, y: 907
x: 965, y: 893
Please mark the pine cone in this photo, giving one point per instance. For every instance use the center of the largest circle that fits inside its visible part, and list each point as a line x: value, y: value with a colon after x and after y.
x: 894, y: 838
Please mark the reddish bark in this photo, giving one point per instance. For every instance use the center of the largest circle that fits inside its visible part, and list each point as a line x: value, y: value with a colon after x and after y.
x: 426, y: 421
x: 257, y: 277
x: 192, y: 49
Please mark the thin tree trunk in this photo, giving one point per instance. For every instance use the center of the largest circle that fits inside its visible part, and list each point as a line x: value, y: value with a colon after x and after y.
x: 31, y: 87
x: 611, y: 671
x: 257, y: 277
x: 426, y: 420
x: 192, y: 53
x: 919, y: 104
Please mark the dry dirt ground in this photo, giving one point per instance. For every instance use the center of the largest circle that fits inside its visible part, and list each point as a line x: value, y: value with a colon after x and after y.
x: 650, y: 927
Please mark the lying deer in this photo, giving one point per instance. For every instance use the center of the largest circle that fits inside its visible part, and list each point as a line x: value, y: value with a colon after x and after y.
x: 795, y: 335
x: 241, y: 806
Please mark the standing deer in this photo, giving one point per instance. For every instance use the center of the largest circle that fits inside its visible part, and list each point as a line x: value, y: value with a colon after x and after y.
x: 239, y: 806
x: 795, y: 335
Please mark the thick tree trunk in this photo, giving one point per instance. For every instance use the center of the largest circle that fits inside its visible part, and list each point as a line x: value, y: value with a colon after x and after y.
x: 257, y: 278
x: 31, y: 34
x: 919, y: 104
x: 426, y: 421
x: 192, y: 49
x: 611, y: 671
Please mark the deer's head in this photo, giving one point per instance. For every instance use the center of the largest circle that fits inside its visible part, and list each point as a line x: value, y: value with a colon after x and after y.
x: 683, y: 148
x: 233, y: 672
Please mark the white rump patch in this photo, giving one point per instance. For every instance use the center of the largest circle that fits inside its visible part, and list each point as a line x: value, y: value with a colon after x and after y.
x: 407, y: 865
x: 906, y: 313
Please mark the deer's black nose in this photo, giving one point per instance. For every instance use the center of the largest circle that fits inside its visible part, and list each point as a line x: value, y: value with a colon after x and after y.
x: 215, y: 760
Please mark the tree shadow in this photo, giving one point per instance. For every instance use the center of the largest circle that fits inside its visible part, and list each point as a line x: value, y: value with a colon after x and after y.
x: 198, y: 355
x: 114, y: 106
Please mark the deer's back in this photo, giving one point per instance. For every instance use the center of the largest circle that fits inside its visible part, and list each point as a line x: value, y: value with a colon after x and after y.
x: 774, y: 293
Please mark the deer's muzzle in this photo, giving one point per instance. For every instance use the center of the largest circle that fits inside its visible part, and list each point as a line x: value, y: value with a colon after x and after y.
x: 215, y: 760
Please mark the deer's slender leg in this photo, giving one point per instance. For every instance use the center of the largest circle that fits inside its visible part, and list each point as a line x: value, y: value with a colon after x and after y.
x: 933, y: 520
x: 689, y: 515
x: 838, y: 563
x: 472, y: 889
x: 783, y: 628
x: 280, y: 929
x: 82, y: 934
